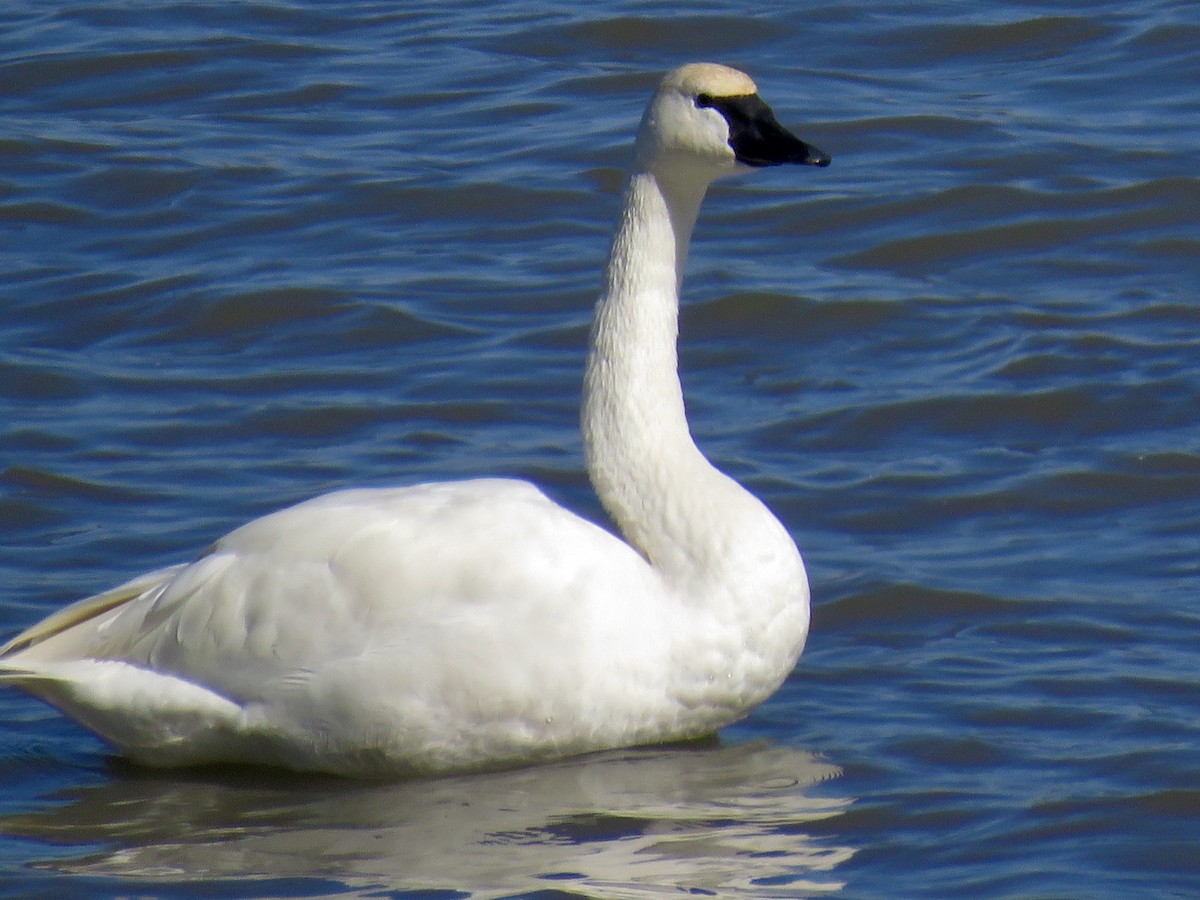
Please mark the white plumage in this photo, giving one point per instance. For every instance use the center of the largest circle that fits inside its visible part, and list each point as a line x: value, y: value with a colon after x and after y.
x: 474, y: 624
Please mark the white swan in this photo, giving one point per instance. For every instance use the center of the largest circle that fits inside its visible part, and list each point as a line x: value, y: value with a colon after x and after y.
x: 475, y: 624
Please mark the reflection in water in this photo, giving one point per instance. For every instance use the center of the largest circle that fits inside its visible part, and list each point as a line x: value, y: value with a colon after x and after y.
x: 633, y: 823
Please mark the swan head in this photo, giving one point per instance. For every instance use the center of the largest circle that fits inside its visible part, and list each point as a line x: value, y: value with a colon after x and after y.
x: 709, y: 119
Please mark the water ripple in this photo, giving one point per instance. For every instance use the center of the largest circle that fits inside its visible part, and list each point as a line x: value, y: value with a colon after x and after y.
x: 256, y: 252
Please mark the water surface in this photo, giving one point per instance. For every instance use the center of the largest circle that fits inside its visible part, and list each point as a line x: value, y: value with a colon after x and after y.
x: 257, y: 252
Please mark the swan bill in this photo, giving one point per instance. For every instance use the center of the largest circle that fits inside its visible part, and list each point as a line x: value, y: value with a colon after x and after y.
x: 756, y: 136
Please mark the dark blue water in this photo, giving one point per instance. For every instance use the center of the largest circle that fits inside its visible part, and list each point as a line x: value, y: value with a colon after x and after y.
x: 252, y: 252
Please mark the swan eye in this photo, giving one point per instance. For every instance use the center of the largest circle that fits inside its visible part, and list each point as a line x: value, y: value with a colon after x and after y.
x: 704, y: 101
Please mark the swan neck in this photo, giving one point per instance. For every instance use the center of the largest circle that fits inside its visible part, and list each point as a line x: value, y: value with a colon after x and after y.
x: 641, y: 458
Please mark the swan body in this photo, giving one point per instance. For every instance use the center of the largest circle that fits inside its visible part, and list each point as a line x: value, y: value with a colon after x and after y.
x: 473, y: 624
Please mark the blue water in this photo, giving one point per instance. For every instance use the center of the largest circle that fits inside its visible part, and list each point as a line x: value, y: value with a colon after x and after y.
x: 253, y: 252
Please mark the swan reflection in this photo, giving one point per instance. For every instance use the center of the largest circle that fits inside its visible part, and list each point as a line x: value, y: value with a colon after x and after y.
x: 636, y: 823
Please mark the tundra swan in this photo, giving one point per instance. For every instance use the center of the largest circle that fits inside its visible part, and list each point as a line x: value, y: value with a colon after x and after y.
x: 474, y: 624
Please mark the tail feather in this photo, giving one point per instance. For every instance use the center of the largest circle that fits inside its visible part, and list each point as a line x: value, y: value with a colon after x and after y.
x: 86, y: 610
x: 154, y: 718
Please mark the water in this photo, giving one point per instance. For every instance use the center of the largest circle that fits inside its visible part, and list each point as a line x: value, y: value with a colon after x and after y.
x: 254, y: 252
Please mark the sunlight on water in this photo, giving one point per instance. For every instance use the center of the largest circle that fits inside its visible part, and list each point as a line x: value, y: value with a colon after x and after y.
x: 724, y: 821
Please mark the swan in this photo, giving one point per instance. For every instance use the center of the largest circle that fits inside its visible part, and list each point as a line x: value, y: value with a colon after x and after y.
x: 475, y: 624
